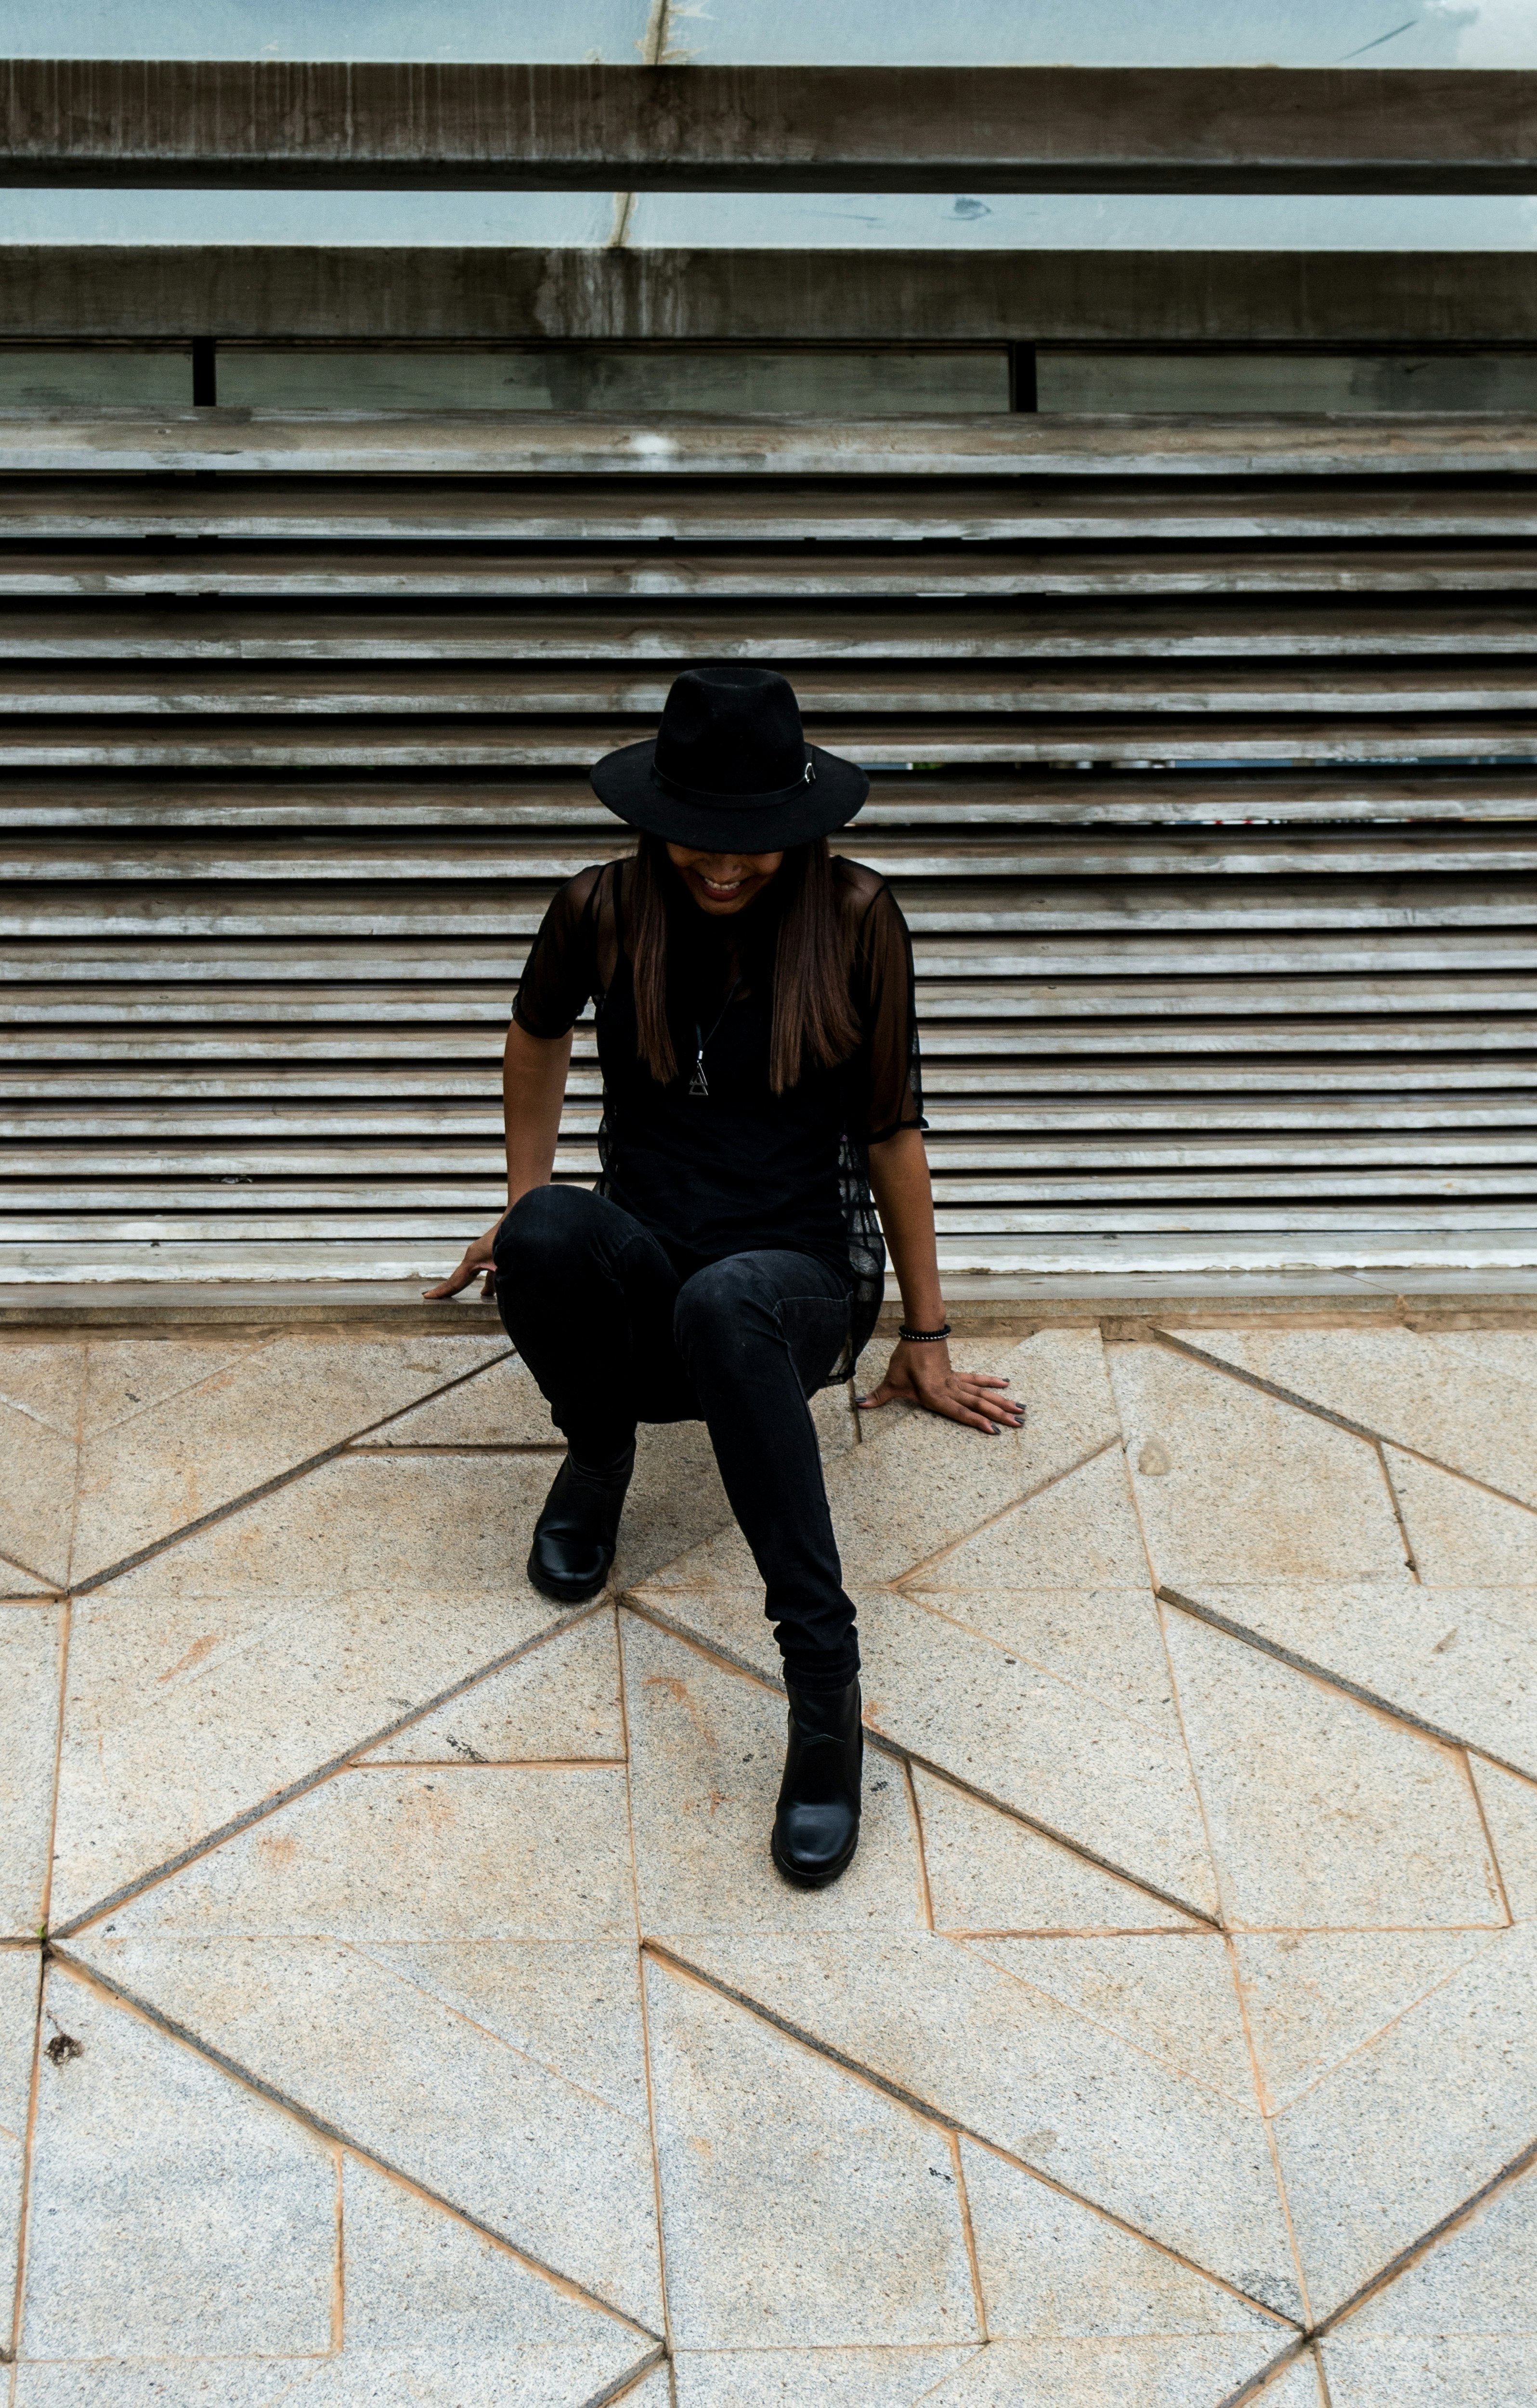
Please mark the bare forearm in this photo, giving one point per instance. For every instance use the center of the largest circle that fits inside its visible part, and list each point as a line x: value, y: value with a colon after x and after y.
x: 899, y: 1181
x: 533, y: 1077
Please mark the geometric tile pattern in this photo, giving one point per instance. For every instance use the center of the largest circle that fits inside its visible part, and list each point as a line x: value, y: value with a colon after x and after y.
x: 422, y: 2020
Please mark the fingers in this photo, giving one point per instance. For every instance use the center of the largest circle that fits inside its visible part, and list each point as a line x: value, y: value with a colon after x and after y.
x: 878, y: 1396
x: 461, y: 1276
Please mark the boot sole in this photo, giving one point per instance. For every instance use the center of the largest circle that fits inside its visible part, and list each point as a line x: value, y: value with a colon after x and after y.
x: 811, y: 1881
x: 565, y: 1595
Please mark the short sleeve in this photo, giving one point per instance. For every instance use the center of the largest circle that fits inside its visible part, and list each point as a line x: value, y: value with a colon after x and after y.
x: 561, y: 970
x: 884, y: 989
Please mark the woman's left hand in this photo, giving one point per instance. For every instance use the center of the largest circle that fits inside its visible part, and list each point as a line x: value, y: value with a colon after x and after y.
x: 922, y: 1376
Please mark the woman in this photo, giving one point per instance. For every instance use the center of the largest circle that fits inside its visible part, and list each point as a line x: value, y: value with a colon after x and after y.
x: 759, y: 1063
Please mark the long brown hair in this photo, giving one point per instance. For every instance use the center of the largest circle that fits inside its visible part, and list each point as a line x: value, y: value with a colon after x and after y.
x: 813, y: 1025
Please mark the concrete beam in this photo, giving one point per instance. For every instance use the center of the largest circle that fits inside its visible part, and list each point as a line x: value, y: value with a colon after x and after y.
x: 373, y: 124
x: 51, y: 293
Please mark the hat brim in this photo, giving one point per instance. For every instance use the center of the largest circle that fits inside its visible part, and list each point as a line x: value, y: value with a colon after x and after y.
x: 626, y: 782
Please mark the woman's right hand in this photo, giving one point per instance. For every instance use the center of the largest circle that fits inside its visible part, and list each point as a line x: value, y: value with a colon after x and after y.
x: 477, y: 1259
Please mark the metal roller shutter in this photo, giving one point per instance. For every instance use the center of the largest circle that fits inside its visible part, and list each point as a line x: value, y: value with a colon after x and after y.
x: 1206, y: 772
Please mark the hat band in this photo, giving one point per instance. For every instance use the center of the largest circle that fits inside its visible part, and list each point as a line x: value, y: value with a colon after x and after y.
x: 735, y: 802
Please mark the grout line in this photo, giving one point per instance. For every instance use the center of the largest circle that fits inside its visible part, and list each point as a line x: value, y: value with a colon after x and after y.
x: 1273, y: 2151
x: 79, y: 1460
x: 1321, y: 2373
x: 1261, y: 2383
x: 297, y: 1788
x: 1015, y: 1505
x: 625, y: 2385
x: 66, y: 1634
x: 375, y: 1953
x: 1261, y: 2086
x: 1372, y: 1697
x: 1443, y: 1982
x: 968, y: 2235
x: 1397, y: 1504
x: 1489, y: 1835
x: 52, y: 1588
x: 552, y: 1631
x: 1221, y: 1915
x: 338, y: 2283
x: 1135, y: 1495
x: 452, y: 1446
x: 943, y: 2121
x: 91, y: 1978
x: 404, y: 1764
x: 269, y: 1487
x: 640, y: 1988
x: 1325, y: 1414
x: 645, y: 1612
x: 925, y: 1894
x: 1511, y: 2172
x: 23, y: 2225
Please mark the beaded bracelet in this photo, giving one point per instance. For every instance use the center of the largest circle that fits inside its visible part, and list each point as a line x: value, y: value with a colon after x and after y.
x: 922, y: 1337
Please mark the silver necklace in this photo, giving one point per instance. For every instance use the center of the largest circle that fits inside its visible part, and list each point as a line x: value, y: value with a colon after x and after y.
x: 699, y: 1084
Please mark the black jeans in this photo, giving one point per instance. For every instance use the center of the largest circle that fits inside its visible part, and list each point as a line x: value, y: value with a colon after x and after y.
x: 615, y: 1332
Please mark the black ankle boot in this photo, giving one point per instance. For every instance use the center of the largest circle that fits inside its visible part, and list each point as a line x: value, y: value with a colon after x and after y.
x: 574, y: 1537
x: 816, y: 1828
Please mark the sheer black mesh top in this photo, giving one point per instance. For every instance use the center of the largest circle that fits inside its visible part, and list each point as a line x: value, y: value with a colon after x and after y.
x: 736, y: 1167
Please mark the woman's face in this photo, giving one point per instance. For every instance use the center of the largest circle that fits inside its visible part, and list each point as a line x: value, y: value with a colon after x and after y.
x: 722, y: 883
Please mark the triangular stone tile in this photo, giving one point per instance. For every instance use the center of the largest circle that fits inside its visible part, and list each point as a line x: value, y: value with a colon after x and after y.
x: 31, y: 1639
x: 398, y: 1852
x: 435, y: 2311
x: 174, y: 2213
x: 1313, y: 1997
x: 1383, y: 2149
x: 1107, y: 1642
x: 1079, y: 1533
x: 44, y: 1383
x: 36, y: 1501
x: 1321, y: 1811
x: 1037, y: 2078
x: 1053, y: 2270
x: 561, y: 1699
x: 812, y: 2378
x: 1462, y: 1536
x: 572, y: 2007
x: 499, y: 1407
x: 352, y: 2040
x: 707, y: 1749
x: 1461, y: 1661
x: 1510, y: 1809
x: 1233, y: 1486
x: 278, y: 1641
x: 1170, y: 1993
x: 1062, y: 1753
x: 1445, y: 1394
x: 843, y: 2208
x: 250, y: 1420
x: 125, y: 1377
x: 990, y: 1872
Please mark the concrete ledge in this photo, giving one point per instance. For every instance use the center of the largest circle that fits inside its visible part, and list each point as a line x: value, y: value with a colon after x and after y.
x: 977, y: 1305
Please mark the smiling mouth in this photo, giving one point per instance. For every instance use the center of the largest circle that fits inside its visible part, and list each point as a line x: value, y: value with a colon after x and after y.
x: 721, y: 894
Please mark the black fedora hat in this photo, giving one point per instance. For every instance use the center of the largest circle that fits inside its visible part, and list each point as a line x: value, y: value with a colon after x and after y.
x: 729, y: 768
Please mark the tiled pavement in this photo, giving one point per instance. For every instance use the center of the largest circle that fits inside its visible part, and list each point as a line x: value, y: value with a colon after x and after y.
x: 424, y: 2023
